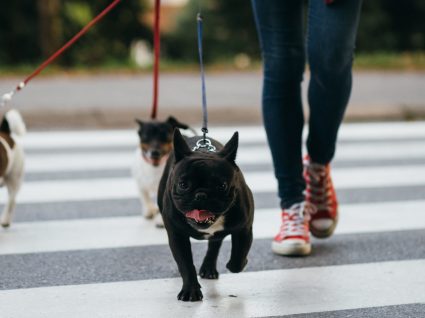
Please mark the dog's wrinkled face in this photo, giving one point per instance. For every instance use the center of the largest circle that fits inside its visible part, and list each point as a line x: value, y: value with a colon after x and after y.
x: 204, y: 183
x: 156, y: 139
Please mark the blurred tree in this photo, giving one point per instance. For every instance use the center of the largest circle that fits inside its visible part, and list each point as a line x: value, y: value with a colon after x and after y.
x: 111, y: 38
x: 18, y: 32
x: 229, y: 29
x: 50, y: 26
x: 391, y: 25
x: 407, y: 23
x: 385, y: 25
x: 32, y: 30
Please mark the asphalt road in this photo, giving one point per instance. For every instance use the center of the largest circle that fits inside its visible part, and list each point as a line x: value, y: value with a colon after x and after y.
x: 114, y: 100
x: 79, y: 246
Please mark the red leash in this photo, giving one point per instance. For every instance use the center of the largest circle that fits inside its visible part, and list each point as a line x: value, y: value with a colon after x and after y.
x: 7, y: 97
x: 157, y: 46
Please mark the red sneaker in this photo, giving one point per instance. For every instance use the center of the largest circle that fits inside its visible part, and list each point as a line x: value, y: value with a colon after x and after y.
x: 320, y: 192
x: 293, y: 238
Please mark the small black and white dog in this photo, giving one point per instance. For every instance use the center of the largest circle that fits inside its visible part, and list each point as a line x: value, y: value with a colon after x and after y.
x: 156, y: 143
x: 11, y: 161
x: 203, y: 194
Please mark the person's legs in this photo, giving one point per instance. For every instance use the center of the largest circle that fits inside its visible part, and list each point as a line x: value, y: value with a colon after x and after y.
x: 280, y: 28
x: 330, y: 42
x: 331, y: 39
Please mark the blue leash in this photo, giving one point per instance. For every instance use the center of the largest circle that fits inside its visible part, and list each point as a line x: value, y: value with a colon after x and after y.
x: 199, y: 20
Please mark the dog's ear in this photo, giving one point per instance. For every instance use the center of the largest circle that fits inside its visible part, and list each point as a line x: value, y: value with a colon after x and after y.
x: 230, y: 149
x: 175, y: 123
x: 140, y: 122
x: 181, y: 149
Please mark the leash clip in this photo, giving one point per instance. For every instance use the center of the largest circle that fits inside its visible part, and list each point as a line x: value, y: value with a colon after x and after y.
x: 204, y: 143
x: 6, y: 98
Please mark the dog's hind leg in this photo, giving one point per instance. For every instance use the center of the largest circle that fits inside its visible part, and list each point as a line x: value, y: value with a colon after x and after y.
x: 208, y: 268
x: 13, y: 184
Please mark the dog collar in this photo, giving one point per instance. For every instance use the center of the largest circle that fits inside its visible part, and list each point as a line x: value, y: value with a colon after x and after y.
x: 204, y: 143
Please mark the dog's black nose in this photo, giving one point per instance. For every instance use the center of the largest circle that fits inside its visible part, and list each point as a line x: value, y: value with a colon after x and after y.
x: 201, y: 196
x: 155, y: 153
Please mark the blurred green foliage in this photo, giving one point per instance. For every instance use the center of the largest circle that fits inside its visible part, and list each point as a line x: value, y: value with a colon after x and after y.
x: 392, y: 25
x: 228, y: 29
x: 18, y: 34
x: 109, y: 40
x: 388, y: 26
x: 385, y: 26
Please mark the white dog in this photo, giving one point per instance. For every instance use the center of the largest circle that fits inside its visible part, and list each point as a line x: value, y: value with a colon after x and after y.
x: 11, y: 161
x: 156, y: 143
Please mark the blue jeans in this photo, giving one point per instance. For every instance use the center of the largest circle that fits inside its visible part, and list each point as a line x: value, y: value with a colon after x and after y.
x: 330, y: 41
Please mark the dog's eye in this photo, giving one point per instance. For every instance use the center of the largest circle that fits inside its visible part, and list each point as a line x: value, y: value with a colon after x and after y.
x: 223, y: 186
x: 183, y: 185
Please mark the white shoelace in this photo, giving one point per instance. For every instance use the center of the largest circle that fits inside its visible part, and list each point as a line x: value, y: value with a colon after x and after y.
x: 294, y: 218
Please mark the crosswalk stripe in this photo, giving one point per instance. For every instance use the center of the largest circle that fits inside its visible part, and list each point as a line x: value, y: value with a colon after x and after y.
x: 350, y: 178
x: 384, y: 275
x: 33, y: 237
x: 264, y: 293
x: 121, y: 188
x: 246, y: 155
x: 114, y: 138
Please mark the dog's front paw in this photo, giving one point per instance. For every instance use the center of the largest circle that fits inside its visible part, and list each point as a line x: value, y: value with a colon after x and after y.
x: 236, y: 267
x: 5, y: 224
x: 159, y: 222
x: 208, y: 271
x: 150, y: 212
x: 190, y: 294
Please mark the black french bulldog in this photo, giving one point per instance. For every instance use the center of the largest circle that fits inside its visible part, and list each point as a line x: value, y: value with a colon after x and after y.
x: 203, y: 194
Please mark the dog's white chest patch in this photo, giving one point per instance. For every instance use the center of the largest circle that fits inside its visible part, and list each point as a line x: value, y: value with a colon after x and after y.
x: 147, y: 175
x: 216, y: 227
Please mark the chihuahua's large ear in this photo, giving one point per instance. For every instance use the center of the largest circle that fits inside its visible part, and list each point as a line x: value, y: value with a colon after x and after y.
x: 175, y: 123
x: 230, y: 149
x: 181, y: 149
x: 141, y: 123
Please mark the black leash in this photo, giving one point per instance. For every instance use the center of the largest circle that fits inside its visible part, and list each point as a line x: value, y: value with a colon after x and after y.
x: 200, y: 20
x: 204, y: 142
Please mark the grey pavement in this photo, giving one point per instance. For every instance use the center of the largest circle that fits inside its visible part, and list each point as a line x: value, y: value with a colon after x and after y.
x: 31, y: 272
x: 151, y: 262
x: 114, y: 100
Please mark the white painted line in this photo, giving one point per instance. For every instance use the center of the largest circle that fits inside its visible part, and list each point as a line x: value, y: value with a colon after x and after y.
x: 79, y: 161
x: 353, y: 178
x: 254, y: 294
x: 125, y: 188
x: 114, y: 138
x: 94, y: 161
x: 381, y: 151
x: 391, y: 130
x: 348, y: 131
x: 122, y: 138
x: 84, y: 234
x: 82, y: 139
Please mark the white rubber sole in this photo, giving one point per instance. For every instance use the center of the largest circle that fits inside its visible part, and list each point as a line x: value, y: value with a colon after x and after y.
x: 291, y: 248
x: 324, y: 233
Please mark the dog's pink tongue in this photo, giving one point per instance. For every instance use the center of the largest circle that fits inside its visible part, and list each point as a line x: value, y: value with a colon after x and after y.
x: 199, y: 215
